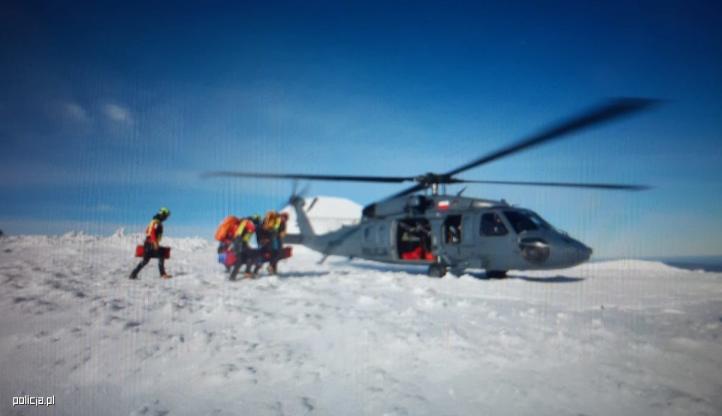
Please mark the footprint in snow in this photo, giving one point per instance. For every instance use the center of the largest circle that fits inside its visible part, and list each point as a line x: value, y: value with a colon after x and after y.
x: 308, y: 404
x: 153, y: 409
x: 228, y: 369
x: 131, y: 325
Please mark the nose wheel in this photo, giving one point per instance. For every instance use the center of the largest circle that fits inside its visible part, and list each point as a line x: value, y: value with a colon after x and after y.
x: 437, y: 270
x: 496, y: 274
x: 457, y: 271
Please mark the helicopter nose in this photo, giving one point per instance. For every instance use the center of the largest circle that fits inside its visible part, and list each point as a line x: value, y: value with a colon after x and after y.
x: 584, y: 253
x: 574, y: 253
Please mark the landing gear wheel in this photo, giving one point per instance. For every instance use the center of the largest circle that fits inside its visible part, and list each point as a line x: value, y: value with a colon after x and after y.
x: 437, y: 270
x: 496, y: 274
x: 457, y: 272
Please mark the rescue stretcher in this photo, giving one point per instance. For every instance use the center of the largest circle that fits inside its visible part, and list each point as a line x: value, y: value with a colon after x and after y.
x: 228, y: 258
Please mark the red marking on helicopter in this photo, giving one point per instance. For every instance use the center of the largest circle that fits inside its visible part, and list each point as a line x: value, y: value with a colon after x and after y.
x: 443, y: 205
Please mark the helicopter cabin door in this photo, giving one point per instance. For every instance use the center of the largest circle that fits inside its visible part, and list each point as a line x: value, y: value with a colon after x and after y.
x: 413, y: 240
x: 455, y: 236
x: 496, y: 241
x: 376, y: 240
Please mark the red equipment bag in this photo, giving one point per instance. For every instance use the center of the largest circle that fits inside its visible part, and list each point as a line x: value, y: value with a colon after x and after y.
x: 417, y: 254
x: 164, y: 251
x: 228, y: 258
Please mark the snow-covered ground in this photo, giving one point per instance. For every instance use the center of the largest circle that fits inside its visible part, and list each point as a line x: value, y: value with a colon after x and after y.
x: 349, y: 338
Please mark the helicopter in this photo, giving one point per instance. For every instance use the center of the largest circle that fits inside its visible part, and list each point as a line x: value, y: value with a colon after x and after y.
x: 423, y: 225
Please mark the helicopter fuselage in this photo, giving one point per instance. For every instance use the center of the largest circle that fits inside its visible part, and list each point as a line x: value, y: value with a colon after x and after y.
x: 455, y: 232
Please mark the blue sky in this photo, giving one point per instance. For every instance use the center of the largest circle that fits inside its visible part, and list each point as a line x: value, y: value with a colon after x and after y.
x: 109, y: 111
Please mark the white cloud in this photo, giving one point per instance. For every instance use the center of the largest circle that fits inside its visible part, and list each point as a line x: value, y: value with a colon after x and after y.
x: 117, y: 113
x: 75, y: 112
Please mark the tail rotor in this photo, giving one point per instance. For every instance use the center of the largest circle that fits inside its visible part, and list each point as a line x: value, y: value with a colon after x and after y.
x: 296, y: 195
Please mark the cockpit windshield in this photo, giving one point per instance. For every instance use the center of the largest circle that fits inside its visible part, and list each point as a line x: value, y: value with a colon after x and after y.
x: 526, y: 221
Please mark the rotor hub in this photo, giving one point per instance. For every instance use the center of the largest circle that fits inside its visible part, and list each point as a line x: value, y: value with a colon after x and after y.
x: 431, y: 178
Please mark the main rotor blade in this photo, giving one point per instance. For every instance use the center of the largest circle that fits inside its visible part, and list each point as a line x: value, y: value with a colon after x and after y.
x: 606, y: 112
x: 353, y: 178
x: 607, y: 186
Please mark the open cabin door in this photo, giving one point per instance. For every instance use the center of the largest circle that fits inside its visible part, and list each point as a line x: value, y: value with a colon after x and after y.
x: 458, y: 237
x: 413, y: 240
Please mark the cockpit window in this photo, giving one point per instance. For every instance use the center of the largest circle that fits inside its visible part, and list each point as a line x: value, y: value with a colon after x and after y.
x: 526, y: 221
x: 491, y: 224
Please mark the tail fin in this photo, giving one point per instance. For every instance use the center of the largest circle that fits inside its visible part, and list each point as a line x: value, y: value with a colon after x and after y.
x: 304, y: 225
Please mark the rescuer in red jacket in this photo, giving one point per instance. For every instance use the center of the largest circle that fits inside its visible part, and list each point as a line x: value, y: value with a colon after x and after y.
x: 151, y: 246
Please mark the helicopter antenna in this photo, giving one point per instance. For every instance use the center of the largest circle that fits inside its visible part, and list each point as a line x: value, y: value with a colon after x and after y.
x: 461, y: 191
